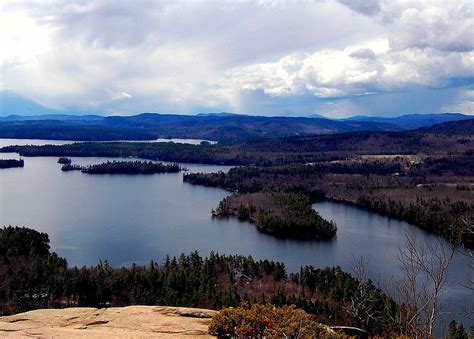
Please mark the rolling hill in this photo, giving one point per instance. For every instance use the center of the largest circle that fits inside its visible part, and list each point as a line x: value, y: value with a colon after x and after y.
x: 223, y: 127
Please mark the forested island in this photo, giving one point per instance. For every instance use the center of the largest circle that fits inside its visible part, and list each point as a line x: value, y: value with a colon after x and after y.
x: 287, y: 215
x: 64, y: 161
x: 124, y: 167
x: 11, y: 163
x: 32, y: 277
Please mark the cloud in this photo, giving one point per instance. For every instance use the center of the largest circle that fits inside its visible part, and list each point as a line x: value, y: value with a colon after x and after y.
x: 126, y: 95
x: 463, y: 102
x: 339, y: 73
x: 266, y: 57
x: 363, y: 53
x: 441, y: 25
x: 367, y: 7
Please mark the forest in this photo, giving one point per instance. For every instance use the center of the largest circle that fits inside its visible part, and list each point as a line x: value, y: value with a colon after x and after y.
x: 124, y: 167
x: 33, y: 277
x: 287, y: 215
x: 11, y: 163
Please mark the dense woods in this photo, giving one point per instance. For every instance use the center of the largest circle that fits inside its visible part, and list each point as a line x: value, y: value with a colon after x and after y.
x: 11, y: 163
x: 445, y: 217
x: 280, y: 214
x: 124, y: 167
x: 33, y: 277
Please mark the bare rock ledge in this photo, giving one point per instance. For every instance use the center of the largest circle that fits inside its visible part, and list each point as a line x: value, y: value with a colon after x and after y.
x: 131, y: 321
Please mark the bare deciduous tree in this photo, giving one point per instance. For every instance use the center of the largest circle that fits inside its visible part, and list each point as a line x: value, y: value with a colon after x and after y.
x: 424, y: 272
x: 365, y: 302
x: 468, y: 253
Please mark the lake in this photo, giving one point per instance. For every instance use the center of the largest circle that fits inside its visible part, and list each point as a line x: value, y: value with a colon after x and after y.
x: 132, y: 219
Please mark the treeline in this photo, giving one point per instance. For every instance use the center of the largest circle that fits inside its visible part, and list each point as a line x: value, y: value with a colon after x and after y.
x: 250, y: 179
x: 290, y: 178
x: 164, y: 151
x: 32, y: 277
x: 363, y: 167
x: 287, y: 215
x: 453, y: 165
x: 444, y: 217
x: 124, y: 167
x: 59, y: 130
x: 11, y: 163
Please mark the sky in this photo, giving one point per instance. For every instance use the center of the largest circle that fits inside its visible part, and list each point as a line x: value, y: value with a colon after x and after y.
x: 295, y: 58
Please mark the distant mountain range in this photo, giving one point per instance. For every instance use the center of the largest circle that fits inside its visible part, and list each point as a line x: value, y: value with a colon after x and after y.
x: 219, y: 126
x: 58, y: 117
x: 408, y: 121
x: 32, y: 120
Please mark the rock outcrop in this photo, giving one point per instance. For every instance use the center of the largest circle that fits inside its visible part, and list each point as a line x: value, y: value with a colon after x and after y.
x: 131, y: 321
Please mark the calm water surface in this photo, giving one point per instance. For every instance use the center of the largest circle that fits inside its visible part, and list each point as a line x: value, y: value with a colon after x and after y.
x: 127, y: 219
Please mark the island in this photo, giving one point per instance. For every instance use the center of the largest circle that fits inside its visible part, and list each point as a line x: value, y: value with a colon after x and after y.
x: 124, y: 167
x: 64, y: 161
x: 286, y: 215
x: 11, y: 163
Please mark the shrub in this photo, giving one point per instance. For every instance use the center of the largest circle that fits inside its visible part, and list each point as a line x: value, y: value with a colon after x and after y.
x: 267, y: 321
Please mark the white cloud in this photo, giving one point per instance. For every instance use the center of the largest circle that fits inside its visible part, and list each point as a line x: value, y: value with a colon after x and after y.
x: 463, y: 103
x: 126, y: 95
x: 337, y: 73
x: 191, y: 56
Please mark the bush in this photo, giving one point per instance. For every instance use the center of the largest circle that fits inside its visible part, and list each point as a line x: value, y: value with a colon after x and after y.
x: 267, y: 321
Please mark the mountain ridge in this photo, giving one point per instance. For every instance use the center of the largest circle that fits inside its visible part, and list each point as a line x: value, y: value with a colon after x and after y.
x: 224, y: 127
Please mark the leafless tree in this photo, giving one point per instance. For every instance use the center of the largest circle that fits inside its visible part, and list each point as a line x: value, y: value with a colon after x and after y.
x: 468, y: 253
x: 364, y: 304
x: 424, y: 273
x: 361, y: 301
